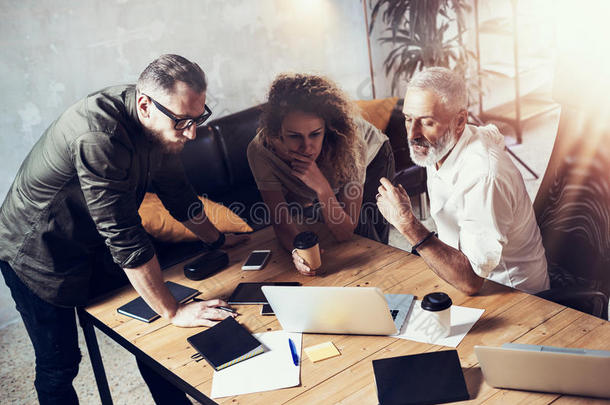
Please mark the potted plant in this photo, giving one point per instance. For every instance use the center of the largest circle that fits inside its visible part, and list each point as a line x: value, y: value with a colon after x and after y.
x: 419, y: 32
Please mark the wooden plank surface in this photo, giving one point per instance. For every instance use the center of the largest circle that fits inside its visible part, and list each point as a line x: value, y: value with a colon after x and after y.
x: 510, y: 316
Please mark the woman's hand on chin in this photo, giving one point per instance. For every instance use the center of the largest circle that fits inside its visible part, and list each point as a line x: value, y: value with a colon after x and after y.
x: 306, y: 169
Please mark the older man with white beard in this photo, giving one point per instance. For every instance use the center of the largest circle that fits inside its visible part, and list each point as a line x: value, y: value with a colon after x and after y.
x: 486, y: 224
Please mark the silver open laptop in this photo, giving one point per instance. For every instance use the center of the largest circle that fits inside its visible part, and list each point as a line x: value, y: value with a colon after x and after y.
x: 546, y: 368
x: 344, y: 310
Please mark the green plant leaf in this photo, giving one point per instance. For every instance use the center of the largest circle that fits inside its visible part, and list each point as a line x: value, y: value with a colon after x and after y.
x: 417, y: 30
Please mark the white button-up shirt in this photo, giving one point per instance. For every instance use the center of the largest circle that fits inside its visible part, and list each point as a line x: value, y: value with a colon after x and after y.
x: 479, y: 203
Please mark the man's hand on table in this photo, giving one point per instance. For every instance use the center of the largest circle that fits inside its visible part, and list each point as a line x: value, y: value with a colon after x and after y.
x: 200, y: 313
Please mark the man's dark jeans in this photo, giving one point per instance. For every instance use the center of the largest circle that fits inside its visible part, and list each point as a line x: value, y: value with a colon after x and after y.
x: 52, y: 330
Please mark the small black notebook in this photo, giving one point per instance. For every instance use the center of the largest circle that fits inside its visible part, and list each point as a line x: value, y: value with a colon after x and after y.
x: 140, y: 310
x: 251, y: 293
x: 426, y: 378
x: 225, y: 344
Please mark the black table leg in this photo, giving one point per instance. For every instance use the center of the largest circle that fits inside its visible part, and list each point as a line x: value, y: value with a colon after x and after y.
x: 88, y: 322
x: 96, y: 357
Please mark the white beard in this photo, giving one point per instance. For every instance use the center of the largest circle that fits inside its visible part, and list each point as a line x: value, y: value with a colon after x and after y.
x: 435, y: 152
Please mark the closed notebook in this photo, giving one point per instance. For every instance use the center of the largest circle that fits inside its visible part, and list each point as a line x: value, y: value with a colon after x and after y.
x: 225, y: 344
x: 140, y: 310
x: 426, y: 378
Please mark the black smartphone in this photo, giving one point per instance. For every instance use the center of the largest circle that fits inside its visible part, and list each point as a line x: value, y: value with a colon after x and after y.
x: 251, y: 293
x: 267, y: 310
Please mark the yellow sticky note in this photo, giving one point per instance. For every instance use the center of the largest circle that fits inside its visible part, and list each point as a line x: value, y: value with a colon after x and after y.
x: 322, y: 351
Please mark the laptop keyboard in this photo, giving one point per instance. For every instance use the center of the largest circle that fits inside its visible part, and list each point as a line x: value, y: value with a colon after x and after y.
x: 393, y: 312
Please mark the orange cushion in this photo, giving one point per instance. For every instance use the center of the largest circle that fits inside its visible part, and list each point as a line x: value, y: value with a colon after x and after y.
x: 377, y: 111
x: 162, y: 226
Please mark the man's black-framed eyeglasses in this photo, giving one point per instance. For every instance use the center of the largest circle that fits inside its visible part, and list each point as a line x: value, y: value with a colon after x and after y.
x: 183, y: 123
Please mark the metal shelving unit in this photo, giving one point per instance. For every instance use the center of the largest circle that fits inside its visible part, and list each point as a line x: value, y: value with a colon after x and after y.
x: 525, y: 105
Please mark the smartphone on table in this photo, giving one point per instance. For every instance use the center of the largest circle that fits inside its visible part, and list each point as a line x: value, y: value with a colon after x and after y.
x: 267, y: 310
x: 256, y: 260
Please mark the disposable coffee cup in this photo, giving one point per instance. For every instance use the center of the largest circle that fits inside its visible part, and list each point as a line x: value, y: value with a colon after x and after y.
x: 438, y: 307
x: 308, y: 247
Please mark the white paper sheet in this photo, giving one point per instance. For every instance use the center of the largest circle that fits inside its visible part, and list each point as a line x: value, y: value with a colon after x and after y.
x: 271, y: 370
x: 420, y: 328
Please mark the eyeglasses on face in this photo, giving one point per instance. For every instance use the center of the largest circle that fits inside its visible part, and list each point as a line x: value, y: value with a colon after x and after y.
x: 183, y: 123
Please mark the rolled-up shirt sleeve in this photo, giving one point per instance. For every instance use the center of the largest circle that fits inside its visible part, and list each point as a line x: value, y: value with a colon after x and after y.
x: 174, y: 190
x: 103, y: 166
x: 484, y: 224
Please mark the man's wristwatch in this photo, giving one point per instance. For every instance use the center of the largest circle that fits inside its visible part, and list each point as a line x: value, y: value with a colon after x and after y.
x: 218, y: 243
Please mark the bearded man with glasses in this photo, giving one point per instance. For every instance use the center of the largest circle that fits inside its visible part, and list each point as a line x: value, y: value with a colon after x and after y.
x: 75, y: 202
x: 485, y: 220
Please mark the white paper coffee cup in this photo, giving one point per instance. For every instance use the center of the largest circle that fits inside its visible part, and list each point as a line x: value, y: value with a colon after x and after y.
x: 437, y: 305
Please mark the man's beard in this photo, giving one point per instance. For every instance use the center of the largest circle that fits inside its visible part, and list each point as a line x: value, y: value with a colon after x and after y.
x: 160, y: 142
x: 436, y: 151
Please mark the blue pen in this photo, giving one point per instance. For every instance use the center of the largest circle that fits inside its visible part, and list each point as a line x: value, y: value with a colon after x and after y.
x: 293, y: 351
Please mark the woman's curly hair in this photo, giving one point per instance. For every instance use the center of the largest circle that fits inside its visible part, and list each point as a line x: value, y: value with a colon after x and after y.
x: 342, y: 151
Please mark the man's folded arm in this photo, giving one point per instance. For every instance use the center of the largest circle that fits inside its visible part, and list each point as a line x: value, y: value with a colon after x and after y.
x: 103, y: 165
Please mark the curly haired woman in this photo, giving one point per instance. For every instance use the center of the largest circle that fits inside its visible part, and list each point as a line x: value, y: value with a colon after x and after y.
x: 313, y: 148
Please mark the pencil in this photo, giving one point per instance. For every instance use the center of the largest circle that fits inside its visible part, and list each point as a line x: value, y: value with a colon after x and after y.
x: 231, y: 310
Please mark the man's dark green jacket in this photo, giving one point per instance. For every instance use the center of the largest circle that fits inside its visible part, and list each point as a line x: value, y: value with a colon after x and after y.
x: 79, y: 189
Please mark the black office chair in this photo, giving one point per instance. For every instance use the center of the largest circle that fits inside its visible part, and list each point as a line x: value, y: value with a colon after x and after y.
x: 573, y: 211
x: 573, y: 204
x: 412, y: 177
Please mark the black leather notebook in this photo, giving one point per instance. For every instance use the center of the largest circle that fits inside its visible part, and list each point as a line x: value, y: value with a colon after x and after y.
x: 251, y: 293
x: 225, y: 344
x: 140, y: 310
x: 426, y: 378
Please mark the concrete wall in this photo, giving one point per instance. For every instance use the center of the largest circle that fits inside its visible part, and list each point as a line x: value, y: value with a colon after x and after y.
x: 54, y: 52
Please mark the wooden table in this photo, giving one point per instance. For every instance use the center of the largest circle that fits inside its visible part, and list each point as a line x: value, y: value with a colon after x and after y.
x: 510, y: 316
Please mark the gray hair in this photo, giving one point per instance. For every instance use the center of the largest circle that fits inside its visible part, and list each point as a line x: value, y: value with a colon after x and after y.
x: 163, y: 73
x: 446, y: 84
